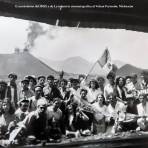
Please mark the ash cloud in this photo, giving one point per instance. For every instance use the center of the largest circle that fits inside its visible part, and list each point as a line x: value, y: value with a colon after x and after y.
x: 34, y: 31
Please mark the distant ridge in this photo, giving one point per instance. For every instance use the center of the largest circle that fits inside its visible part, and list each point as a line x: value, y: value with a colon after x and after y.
x: 128, y: 69
x: 23, y: 64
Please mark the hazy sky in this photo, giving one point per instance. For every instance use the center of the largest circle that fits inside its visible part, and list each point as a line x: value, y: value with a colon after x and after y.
x: 62, y: 42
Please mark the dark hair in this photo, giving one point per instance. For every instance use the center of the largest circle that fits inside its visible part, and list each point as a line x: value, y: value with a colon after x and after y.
x: 111, y: 75
x: 11, y: 109
x: 104, y: 103
x: 117, y: 80
x: 83, y: 90
x: 128, y: 77
x: 96, y: 83
x: 63, y: 80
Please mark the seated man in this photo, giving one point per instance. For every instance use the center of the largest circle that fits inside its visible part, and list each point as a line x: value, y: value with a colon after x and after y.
x: 115, y: 114
x: 22, y: 111
x: 143, y: 112
x: 54, y: 117
x: 34, y: 124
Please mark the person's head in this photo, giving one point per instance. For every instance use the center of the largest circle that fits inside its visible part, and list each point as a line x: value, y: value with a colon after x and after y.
x: 128, y: 79
x: 120, y: 81
x: 56, y: 103
x: 12, y: 77
x: 25, y: 83
x: 3, y: 86
x: 134, y: 78
x: 100, y: 80
x: 32, y: 80
x: 38, y: 90
x: 130, y: 101
x: 111, y: 77
x: 7, y: 106
x: 142, y: 98
x: 50, y: 80
x: 24, y: 104
x: 83, y: 93
x: 81, y: 77
x: 63, y: 83
x: 93, y: 84
x: 41, y: 106
x: 41, y: 80
x: 112, y: 98
x: 101, y: 99
x: 75, y: 83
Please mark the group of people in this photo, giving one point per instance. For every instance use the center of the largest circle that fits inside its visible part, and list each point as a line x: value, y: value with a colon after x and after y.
x: 49, y: 108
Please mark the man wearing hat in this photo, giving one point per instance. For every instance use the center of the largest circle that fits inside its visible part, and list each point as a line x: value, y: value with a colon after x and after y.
x: 12, y: 89
x: 51, y: 88
x: 25, y: 92
x: 41, y: 80
x: 35, y: 123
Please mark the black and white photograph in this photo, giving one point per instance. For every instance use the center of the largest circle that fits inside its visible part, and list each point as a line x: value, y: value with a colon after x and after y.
x: 73, y: 74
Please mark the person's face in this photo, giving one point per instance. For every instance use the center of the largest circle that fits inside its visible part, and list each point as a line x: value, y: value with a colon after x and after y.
x: 12, y: 79
x: 141, y: 99
x: 74, y: 84
x: 92, y: 84
x: 100, y: 99
x: 24, y: 106
x: 63, y: 84
x: 83, y: 94
x: 111, y: 80
x: 50, y: 82
x: 31, y: 82
x: 121, y: 82
x: 6, y: 107
x: 128, y: 81
x: 38, y: 91
x: 41, y: 109
x: 100, y: 81
x: 112, y: 99
x: 56, y: 104
x: 41, y: 81
x: 25, y: 85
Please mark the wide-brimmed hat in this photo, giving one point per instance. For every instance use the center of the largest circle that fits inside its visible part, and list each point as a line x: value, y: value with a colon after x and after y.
x: 3, y: 83
x: 74, y: 80
x: 50, y: 77
x: 32, y: 77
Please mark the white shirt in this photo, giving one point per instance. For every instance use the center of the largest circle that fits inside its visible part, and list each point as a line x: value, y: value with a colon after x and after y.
x: 142, y: 110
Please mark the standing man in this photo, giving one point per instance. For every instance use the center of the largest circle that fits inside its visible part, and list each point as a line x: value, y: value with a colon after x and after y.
x: 33, y: 100
x: 12, y: 89
x: 52, y: 89
x: 25, y: 92
x: 41, y: 81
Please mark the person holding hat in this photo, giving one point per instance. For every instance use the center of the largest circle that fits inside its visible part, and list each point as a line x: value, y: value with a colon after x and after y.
x: 41, y: 80
x: 110, y: 86
x: 25, y: 92
x: 12, y: 89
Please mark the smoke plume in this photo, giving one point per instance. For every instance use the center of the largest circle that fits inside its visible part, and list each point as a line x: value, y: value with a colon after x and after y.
x: 34, y: 31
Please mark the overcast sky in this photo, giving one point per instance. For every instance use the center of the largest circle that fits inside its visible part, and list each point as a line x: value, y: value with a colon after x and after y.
x: 62, y: 42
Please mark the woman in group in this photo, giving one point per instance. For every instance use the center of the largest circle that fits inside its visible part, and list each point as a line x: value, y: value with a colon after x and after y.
x: 7, y: 116
x: 110, y: 86
x: 120, y: 89
x: 93, y: 91
x: 99, y: 125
